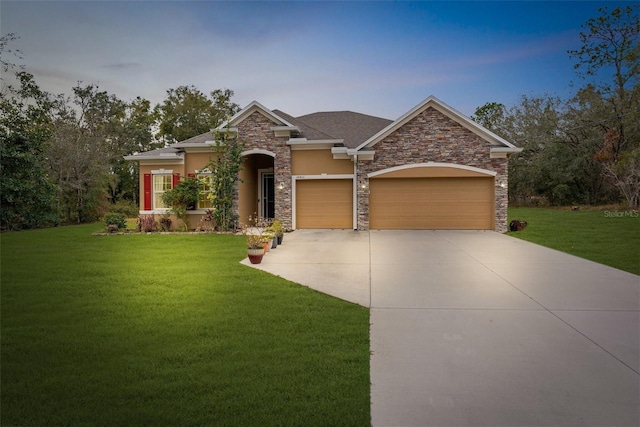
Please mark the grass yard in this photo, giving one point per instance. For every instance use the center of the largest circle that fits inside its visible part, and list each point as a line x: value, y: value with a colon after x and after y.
x: 170, y: 330
x: 610, y: 237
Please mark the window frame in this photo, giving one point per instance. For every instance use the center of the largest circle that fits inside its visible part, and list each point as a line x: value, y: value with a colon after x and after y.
x: 206, y: 173
x: 158, y: 193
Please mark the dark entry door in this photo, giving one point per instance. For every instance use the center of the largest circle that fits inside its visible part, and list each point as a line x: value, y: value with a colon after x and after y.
x: 268, y: 196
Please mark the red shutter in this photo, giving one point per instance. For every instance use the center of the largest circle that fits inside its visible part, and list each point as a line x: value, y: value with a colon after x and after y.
x: 176, y: 180
x: 147, y: 191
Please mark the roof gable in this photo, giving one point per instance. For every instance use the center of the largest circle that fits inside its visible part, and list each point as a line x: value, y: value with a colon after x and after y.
x: 451, y: 113
x: 252, y: 108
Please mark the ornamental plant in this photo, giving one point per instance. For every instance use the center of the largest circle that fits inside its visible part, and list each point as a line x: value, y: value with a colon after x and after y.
x: 181, y: 198
x: 224, y: 178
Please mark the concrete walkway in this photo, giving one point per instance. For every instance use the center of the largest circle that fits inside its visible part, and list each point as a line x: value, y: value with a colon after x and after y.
x: 479, y: 328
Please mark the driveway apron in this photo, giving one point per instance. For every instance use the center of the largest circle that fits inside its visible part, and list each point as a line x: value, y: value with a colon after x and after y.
x: 479, y: 328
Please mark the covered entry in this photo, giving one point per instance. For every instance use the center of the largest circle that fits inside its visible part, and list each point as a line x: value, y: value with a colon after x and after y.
x: 324, y: 203
x: 445, y: 198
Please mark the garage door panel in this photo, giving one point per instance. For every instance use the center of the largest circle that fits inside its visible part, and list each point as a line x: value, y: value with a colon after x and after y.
x: 431, y: 203
x: 324, y: 203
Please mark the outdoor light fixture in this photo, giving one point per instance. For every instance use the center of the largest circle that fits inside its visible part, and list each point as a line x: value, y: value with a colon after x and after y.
x: 281, y: 186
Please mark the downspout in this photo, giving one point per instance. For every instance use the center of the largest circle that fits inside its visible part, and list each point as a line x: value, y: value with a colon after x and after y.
x: 355, y: 191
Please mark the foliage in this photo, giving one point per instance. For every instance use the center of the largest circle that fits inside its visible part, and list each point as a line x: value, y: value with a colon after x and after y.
x: 187, y: 112
x: 224, y: 179
x: 169, y: 329
x: 611, y: 44
x: 165, y: 223
x: 207, y: 222
x: 146, y: 224
x: 584, y: 149
x: 256, y: 233
x: 26, y: 194
x: 181, y: 198
x: 126, y: 207
x: 276, y: 227
x: 119, y: 220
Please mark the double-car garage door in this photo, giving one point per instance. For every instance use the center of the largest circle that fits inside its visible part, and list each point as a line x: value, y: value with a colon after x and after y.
x: 431, y: 203
x: 401, y: 201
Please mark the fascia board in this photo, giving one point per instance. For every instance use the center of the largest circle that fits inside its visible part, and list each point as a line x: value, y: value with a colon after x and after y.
x: 154, y: 157
x: 249, y: 109
x: 506, y: 149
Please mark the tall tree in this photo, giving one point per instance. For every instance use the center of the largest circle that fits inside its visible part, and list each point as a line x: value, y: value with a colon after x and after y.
x: 609, y: 59
x: 26, y: 194
x: 187, y: 112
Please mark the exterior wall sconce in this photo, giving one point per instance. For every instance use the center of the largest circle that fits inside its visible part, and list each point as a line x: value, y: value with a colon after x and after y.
x: 281, y: 186
x: 363, y: 186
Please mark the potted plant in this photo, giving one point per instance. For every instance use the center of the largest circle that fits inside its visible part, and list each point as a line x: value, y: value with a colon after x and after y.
x: 269, y: 238
x: 278, y: 230
x: 255, y: 244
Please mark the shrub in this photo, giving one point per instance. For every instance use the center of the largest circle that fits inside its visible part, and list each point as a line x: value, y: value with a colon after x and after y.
x: 146, y: 224
x: 125, y: 207
x: 116, y: 219
x: 165, y: 223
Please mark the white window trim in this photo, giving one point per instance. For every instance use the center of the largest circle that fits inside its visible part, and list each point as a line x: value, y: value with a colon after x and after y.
x: 161, y: 172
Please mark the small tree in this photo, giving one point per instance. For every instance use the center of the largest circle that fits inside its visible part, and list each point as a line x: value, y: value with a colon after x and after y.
x: 182, y: 197
x: 225, y: 169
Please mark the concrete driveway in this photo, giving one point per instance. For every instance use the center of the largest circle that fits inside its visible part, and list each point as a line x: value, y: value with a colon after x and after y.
x: 479, y: 328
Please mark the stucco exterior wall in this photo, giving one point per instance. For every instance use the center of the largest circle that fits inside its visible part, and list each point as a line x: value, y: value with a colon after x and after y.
x: 433, y: 137
x: 318, y: 162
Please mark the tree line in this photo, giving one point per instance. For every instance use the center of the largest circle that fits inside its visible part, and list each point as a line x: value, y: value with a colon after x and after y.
x: 586, y: 149
x: 61, y: 157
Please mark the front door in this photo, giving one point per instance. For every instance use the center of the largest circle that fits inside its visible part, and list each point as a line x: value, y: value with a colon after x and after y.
x: 267, y: 195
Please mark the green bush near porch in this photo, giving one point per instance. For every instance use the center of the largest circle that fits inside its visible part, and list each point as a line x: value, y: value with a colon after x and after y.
x: 170, y: 330
x: 608, y: 236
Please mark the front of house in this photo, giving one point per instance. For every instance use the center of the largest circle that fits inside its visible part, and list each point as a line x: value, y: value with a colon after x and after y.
x: 432, y: 168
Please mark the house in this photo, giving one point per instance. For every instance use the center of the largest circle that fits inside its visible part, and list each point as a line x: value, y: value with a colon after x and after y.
x: 432, y: 168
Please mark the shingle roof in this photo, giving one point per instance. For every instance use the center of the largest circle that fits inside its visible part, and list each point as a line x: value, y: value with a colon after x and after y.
x: 198, y: 139
x: 354, y: 128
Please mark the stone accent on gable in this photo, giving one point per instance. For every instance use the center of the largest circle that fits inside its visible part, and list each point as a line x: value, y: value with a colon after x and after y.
x: 255, y: 132
x: 433, y: 137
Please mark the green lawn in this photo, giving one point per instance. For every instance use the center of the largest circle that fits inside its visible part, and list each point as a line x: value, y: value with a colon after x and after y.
x: 610, y: 237
x: 170, y: 330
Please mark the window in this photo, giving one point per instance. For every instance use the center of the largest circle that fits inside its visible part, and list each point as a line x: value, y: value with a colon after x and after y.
x: 205, y: 190
x: 161, y: 183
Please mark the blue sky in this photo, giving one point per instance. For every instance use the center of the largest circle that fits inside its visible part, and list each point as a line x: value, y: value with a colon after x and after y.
x: 379, y: 58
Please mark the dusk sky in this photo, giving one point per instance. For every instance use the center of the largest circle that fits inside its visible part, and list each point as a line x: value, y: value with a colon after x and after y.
x: 378, y: 58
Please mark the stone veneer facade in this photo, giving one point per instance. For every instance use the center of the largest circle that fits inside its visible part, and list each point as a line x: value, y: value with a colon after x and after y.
x: 433, y: 137
x: 255, y: 132
x: 429, y: 137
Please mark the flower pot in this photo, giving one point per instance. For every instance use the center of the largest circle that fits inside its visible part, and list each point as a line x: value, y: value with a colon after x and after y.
x: 275, y: 243
x: 255, y: 255
x: 280, y: 237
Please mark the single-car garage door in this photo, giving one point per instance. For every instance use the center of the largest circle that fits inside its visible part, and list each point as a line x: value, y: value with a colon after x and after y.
x: 324, y: 203
x: 431, y: 203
